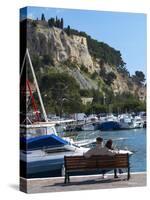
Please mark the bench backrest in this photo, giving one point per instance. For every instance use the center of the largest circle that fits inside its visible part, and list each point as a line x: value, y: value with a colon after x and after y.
x: 94, y: 162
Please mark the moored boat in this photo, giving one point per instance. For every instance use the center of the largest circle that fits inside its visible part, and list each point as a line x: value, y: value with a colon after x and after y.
x: 43, y: 151
x: 138, y: 122
x: 109, y: 126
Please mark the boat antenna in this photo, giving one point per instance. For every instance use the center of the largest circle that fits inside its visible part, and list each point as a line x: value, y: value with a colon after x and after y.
x: 27, y: 54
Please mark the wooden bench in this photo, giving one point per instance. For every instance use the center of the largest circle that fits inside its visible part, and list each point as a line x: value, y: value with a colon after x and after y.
x: 82, y: 164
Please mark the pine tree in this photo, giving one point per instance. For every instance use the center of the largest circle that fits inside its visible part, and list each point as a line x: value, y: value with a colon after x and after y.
x: 51, y: 22
x: 58, y: 23
x: 42, y: 17
x: 62, y: 23
x: 68, y: 30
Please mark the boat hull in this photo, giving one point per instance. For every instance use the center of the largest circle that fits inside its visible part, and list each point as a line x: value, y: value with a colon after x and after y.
x: 38, y: 169
x: 109, y: 126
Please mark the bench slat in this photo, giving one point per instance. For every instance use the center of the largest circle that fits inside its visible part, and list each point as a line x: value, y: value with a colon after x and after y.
x: 98, y: 167
x: 97, y: 156
x: 96, y: 160
x: 86, y: 162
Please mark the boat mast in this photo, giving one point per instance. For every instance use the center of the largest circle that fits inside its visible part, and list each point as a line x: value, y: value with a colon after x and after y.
x: 36, y: 83
x: 37, y: 87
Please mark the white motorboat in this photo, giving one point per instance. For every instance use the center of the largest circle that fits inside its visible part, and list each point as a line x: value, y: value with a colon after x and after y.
x: 110, y: 117
x: 138, y: 122
x: 126, y: 121
x: 129, y: 122
x: 42, y: 151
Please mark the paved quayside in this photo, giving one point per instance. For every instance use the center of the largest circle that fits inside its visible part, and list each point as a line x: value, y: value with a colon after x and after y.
x: 84, y: 183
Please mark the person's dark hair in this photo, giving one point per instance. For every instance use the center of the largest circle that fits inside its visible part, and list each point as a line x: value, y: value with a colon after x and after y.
x: 99, y: 139
x: 109, y: 144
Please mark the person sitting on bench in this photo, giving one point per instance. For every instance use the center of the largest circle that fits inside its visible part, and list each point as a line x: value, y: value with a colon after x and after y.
x: 100, y: 149
x: 109, y: 145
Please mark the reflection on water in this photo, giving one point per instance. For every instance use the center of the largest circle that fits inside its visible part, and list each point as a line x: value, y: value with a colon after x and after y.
x: 133, y: 140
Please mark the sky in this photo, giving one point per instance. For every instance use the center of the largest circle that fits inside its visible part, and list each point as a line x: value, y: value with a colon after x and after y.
x: 125, y: 32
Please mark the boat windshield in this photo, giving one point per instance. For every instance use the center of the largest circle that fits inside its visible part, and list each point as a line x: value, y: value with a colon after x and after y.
x: 36, y: 131
x: 86, y: 135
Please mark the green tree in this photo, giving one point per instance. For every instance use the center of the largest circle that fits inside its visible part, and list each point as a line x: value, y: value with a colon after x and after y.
x: 42, y: 17
x: 127, y: 102
x: 84, y: 69
x: 56, y: 19
x: 58, y: 23
x: 85, y: 93
x: 64, y: 92
x: 68, y: 30
x: 110, y: 78
x: 94, y: 75
x: 139, y: 77
x: 47, y: 60
x: 37, y: 62
x: 96, y: 108
x: 62, y: 23
x: 51, y: 22
x: 97, y: 97
x: 107, y: 77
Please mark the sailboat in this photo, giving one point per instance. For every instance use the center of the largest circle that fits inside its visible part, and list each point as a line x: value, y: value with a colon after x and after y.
x: 42, y: 151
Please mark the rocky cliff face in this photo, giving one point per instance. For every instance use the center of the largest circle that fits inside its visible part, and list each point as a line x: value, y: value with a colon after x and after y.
x: 61, y: 47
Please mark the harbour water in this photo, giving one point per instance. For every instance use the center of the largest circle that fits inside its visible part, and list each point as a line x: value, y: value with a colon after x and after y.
x: 133, y: 140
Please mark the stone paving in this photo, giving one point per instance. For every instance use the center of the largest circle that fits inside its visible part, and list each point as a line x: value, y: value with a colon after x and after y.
x: 84, y: 183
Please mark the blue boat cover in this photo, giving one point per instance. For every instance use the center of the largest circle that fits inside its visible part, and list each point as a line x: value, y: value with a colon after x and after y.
x: 40, y: 142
